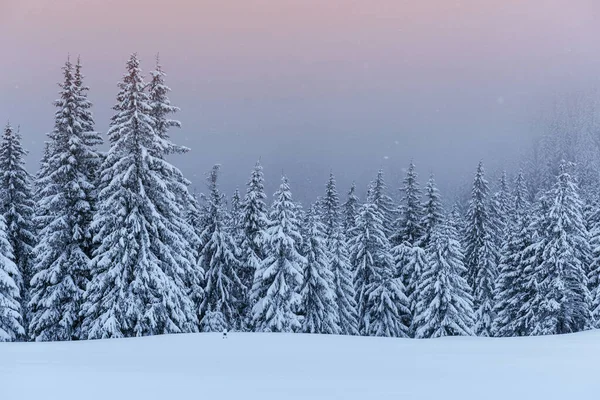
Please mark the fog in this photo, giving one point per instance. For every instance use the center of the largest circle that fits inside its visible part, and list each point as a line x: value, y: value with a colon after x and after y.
x: 313, y: 86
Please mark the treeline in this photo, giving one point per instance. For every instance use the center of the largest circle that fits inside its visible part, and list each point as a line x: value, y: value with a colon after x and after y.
x: 102, y: 245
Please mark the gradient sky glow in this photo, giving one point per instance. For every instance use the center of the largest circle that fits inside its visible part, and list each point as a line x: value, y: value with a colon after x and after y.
x: 313, y: 85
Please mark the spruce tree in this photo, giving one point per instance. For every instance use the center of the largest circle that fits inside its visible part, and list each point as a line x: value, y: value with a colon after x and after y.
x: 161, y: 111
x: 445, y: 305
x: 275, y: 292
x: 139, y: 269
x: 219, y: 258
x: 17, y: 208
x: 318, y: 304
x: 563, y: 304
x: 330, y: 209
x: 374, y: 284
x: 433, y: 213
x: 377, y: 195
x: 344, y: 294
x: 11, y: 326
x: 409, y: 226
x: 350, y: 210
x: 511, y: 291
x: 481, y: 254
x: 254, y: 221
x: 62, y: 254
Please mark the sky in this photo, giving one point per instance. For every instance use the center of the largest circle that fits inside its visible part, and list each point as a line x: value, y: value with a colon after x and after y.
x: 311, y: 87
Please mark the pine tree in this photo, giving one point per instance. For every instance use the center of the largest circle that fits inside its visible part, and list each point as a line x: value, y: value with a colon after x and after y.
x: 377, y: 195
x: 219, y: 258
x: 275, y: 292
x: 409, y: 225
x: 138, y: 271
x: 433, y: 213
x: 373, y: 281
x: 161, y: 111
x: 318, y: 303
x: 17, y: 208
x: 344, y: 294
x: 65, y: 240
x: 330, y: 209
x: 11, y: 327
x: 481, y: 255
x: 511, y: 285
x: 254, y: 224
x: 563, y: 304
x: 387, y: 308
x: 445, y: 305
x: 350, y: 210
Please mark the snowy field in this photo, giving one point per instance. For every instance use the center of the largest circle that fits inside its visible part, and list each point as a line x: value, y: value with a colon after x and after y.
x: 294, y: 366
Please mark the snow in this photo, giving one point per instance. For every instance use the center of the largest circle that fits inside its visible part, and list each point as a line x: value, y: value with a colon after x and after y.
x: 301, y: 366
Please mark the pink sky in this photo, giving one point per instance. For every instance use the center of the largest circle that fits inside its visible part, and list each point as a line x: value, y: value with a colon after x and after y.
x: 275, y: 74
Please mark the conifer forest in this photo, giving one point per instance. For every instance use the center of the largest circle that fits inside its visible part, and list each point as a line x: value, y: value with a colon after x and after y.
x: 106, y: 239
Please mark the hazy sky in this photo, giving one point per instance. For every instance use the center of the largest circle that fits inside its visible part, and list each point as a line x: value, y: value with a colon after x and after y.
x: 311, y: 86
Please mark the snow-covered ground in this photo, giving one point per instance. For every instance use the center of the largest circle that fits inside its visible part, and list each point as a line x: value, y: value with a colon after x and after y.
x: 252, y: 366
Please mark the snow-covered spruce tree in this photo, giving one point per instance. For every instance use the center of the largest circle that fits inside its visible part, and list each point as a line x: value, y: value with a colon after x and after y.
x: 481, y: 254
x: 17, y: 207
x: 219, y: 258
x: 594, y: 267
x: 339, y: 263
x: 11, y: 321
x: 445, y: 305
x: 564, y: 298
x: 415, y: 261
x: 254, y: 223
x: 511, y: 292
x: 64, y: 247
x: 433, y: 212
x: 318, y: 304
x: 377, y: 194
x: 138, y: 271
x: 344, y: 294
x: 378, y: 294
x: 408, y: 228
x: 387, y: 308
x: 350, y: 210
x: 275, y: 292
x: 161, y: 111
x: 409, y: 225
x: 330, y: 209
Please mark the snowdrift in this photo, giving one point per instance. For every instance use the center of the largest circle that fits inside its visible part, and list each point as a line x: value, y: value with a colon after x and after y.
x: 294, y: 366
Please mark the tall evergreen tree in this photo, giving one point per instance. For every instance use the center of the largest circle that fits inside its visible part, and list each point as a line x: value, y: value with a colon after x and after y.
x: 350, y: 210
x: 345, y: 296
x: 481, y: 255
x: 318, y: 303
x: 433, y: 213
x: 511, y: 289
x: 219, y: 258
x: 445, y: 305
x: 563, y: 304
x: 139, y: 269
x: 409, y: 226
x: 330, y: 208
x: 380, y: 298
x: 378, y: 195
x: 254, y: 224
x: 65, y: 240
x: 275, y: 292
x: 11, y: 327
x: 17, y: 208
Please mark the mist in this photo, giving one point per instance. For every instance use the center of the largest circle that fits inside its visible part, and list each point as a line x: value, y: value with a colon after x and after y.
x: 310, y: 87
